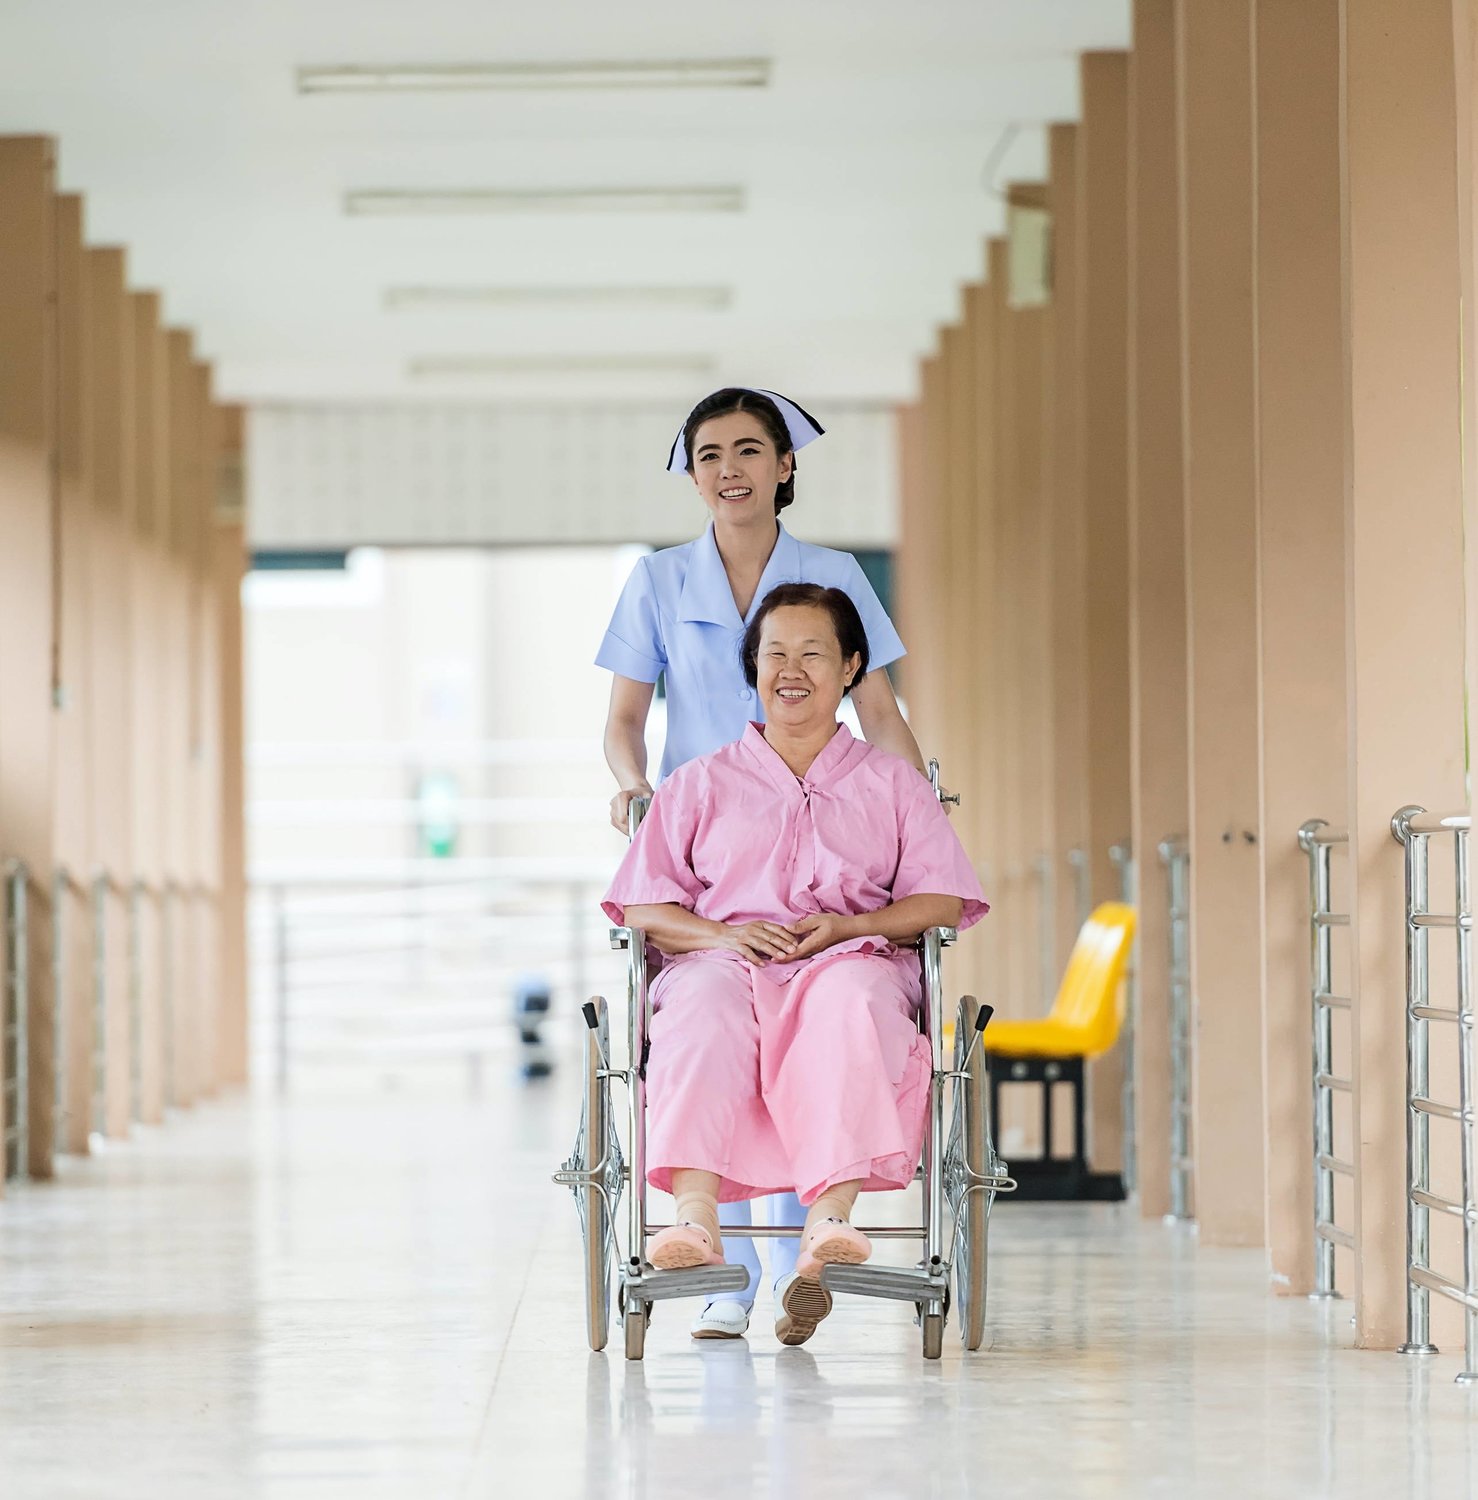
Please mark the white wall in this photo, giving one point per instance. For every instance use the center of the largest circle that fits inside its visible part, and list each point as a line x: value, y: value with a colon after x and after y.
x: 344, y: 475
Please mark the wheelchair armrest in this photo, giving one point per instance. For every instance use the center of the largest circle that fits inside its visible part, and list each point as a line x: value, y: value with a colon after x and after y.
x: 623, y: 938
x: 947, y: 936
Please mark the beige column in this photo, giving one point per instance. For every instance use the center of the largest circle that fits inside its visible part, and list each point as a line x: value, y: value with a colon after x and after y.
x: 74, y: 733
x: 1033, y: 727
x: 148, y: 656
x: 1404, y: 577
x: 177, y: 801
x: 1465, y: 17
x: 205, y: 739
x: 1301, y: 571
x: 1066, y: 501
x: 112, y: 701
x: 1157, y: 614
x: 981, y: 819
x: 916, y: 525
x: 959, y: 756
x: 1446, y: 1321
x: 929, y: 615
x: 1004, y: 629
x: 1214, y: 89
x: 1102, y: 193
x: 920, y: 554
x: 230, y: 563
x: 29, y: 469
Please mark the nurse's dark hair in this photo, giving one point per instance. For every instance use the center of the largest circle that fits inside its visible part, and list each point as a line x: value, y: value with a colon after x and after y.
x: 851, y: 633
x: 735, y: 398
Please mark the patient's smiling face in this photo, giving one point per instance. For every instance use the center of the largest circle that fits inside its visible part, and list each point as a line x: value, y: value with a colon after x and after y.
x: 799, y: 667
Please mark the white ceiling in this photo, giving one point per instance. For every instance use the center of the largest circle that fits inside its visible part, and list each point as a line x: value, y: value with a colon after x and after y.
x: 862, y: 163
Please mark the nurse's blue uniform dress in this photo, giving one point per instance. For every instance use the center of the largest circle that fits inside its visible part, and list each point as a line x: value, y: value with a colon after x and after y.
x: 677, y: 615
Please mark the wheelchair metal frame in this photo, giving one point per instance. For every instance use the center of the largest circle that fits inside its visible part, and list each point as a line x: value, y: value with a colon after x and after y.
x: 952, y: 1173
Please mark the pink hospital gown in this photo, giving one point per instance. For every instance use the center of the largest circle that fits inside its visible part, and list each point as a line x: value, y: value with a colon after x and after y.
x: 796, y: 1075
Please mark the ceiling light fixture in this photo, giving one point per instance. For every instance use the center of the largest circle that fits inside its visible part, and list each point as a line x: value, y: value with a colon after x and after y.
x: 438, y: 366
x: 545, y: 200
x: 461, y: 298
x: 682, y: 73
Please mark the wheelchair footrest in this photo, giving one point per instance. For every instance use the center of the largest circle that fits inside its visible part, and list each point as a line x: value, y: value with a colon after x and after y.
x: 699, y: 1281
x: 897, y: 1282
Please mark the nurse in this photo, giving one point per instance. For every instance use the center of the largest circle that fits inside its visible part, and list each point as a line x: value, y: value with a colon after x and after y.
x: 683, y: 614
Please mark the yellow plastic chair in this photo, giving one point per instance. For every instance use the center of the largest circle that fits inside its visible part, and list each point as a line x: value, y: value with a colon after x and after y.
x: 1085, y: 1021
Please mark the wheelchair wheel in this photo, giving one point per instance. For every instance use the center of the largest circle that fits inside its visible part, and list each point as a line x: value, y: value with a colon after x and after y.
x: 969, y: 1155
x: 591, y: 1146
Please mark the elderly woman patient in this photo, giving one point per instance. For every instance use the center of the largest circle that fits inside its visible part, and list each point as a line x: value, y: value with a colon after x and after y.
x: 779, y: 876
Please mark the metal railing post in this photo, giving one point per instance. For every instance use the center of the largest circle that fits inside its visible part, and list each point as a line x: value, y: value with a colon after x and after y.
x: 1046, y: 932
x: 99, y: 1006
x: 1418, y: 1124
x: 1121, y: 856
x: 136, y: 1000
x: 16, y: 1033
x: 1414, y: 828
x: 1175, y: 853
x: 279, y: 930
x: 1317, y: 840
x: 1465, y: 1019
x: 167, y: 995
x: 1082, y: 886
x: 61, y: 886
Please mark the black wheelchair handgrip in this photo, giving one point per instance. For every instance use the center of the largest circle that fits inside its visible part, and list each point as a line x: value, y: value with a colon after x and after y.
x: 983, y: 1015
x: 592, y: 1020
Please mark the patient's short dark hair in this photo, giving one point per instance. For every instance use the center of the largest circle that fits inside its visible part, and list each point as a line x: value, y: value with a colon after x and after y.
x: 851, y: 635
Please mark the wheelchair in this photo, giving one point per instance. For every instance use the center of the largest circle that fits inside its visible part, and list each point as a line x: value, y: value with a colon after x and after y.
x: 960, y: 1171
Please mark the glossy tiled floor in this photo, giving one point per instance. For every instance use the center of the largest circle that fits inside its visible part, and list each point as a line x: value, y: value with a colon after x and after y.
x: 375, y: 1297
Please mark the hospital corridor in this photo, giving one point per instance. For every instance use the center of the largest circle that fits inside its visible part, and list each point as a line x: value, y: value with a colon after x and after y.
x: 735, y: 750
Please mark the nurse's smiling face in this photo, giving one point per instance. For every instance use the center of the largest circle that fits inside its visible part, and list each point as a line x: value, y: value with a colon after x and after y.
x: 737, y: 469
x: 799, y: 667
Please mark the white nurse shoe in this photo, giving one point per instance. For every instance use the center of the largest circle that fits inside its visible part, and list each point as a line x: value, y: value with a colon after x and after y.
x: 722, y: 1320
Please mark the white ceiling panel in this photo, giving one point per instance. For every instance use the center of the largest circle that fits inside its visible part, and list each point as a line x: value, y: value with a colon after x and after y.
x: 862, y: 166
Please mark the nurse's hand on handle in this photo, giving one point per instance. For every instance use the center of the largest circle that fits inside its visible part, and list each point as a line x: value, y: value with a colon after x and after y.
x: 621, y: 804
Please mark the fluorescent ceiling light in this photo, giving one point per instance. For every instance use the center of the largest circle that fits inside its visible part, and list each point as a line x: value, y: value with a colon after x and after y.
x: 683, y: 73
x: 461, y: 298
x: 546, y: 200
x: 435, y: 366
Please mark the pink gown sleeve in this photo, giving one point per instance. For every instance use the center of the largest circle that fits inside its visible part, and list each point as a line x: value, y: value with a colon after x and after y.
x: 657, y: 867
x: 932, y: 861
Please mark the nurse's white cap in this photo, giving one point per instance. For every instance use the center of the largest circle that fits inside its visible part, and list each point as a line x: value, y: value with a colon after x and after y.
x: 801, y: 425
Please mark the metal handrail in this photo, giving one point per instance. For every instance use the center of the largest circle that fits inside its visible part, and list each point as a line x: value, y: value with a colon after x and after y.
x: 15, y: 999
x: 1413, y: 827
x: 1175, y: 854
x: 1082, y: 886
x: 1121, y: 856
x: 1318, y: 841
x: 1046, y: 931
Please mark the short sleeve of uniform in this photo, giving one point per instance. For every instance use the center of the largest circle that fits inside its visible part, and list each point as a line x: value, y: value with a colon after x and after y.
x: 883, y: 643
x: 657, y: 867
x: 932, y: 861
x: 632, y: 645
